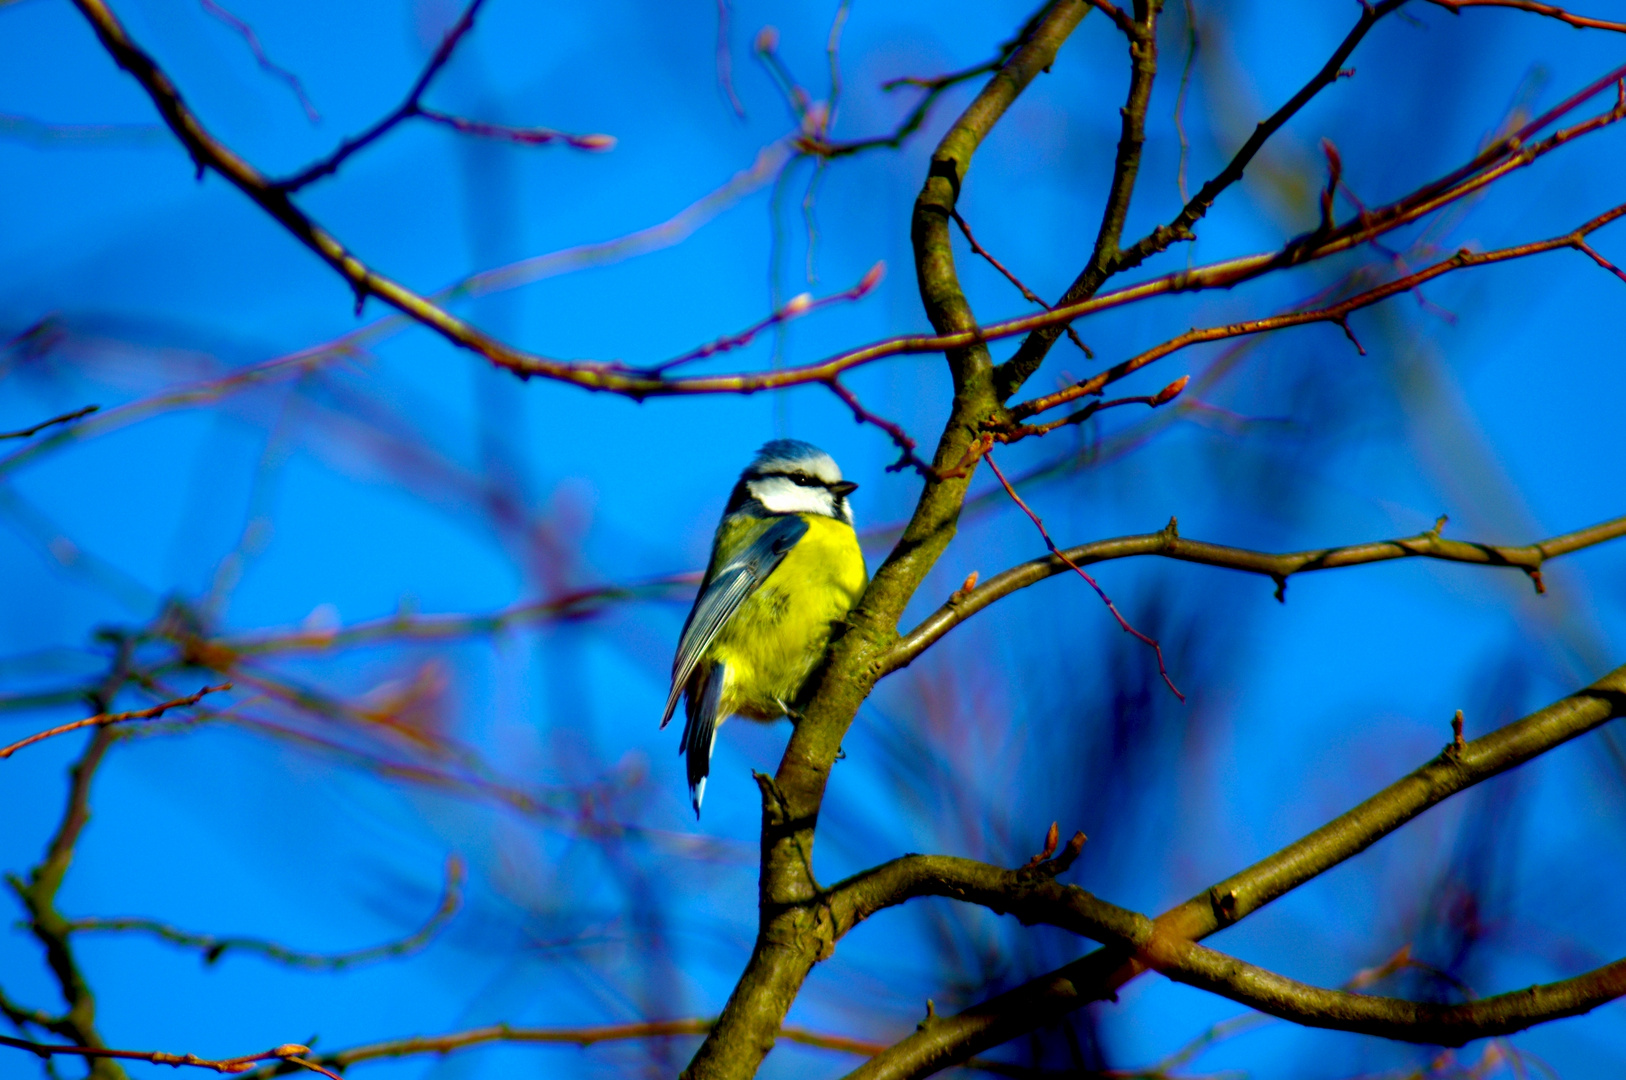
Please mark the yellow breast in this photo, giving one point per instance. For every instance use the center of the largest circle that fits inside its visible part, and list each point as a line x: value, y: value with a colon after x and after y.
x: 780, y: 631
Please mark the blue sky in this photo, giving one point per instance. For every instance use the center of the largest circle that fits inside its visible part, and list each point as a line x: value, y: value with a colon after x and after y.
x: 378, y: 481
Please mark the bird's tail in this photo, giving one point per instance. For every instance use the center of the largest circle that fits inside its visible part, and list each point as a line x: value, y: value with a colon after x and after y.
x: 704, y: 713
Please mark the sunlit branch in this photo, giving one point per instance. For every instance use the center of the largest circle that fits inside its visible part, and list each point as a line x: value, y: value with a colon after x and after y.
x: 292, y: 1053
x: 1098, y: 975
x: 1334, y: 313
x: 104, y: 719
x: 1578, y: 21
x: 214, y: 947
x: 1033, y: 896
x: 1170, y: 544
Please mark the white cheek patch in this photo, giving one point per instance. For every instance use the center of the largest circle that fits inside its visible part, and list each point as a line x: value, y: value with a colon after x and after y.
x: 783, y: 496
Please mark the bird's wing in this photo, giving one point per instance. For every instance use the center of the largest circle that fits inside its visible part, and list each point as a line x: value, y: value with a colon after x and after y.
x: 724, y: 593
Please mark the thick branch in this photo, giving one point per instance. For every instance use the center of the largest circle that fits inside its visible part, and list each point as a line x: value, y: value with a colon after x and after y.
x: 1279, y: 567
x: 1033, y: 896
x: 1098, y: 975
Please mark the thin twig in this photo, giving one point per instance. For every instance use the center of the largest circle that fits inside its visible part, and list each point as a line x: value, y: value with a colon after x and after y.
x: 291, y: 1052
x: 103, y: 719
x: 214, y: 947
x: 1027, y: 294
x: 246, y: 32
x: 65, y: 418
x: 1105, y: 599
x: 1577, y: 21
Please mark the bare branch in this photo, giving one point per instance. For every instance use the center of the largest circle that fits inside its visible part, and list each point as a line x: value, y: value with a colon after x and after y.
x: 288, y: 1052
x: 65, y: 418
x: 1056, y: 552
x: 1577, y: 21
x: 1105, y: 262
x: 246, y: 32
x: 1334, y: 313
x: 1170, y: 544
x: 574, y: 1036
x: 215, y: 947
x: 103, y: 719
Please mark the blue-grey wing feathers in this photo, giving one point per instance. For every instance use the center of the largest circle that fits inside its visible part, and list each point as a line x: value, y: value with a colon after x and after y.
x: 700, y: 727
x: 724, y: 593
x: 704, y: 681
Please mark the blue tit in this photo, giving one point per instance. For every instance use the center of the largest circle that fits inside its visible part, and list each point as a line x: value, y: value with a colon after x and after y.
x: 785, y: 567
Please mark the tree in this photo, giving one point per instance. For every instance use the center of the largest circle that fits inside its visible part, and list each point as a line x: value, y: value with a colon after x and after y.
x: 1045, y: 711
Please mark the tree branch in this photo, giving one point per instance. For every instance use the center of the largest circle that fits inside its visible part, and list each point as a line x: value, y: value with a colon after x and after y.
x: 215, y: 947
x: 103, y: 719
x: 1098, y: 975
x: 1579, y: 22
x: 65, y: 418
x: 1015, y: 371
x: 288, y: 1052
x: 340, y: 1060
x: 1033, y: 896
x: 1335, y: 313
x: 1278, y: 567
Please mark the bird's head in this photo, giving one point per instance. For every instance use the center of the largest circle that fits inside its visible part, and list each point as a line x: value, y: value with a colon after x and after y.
x: 792, y: 477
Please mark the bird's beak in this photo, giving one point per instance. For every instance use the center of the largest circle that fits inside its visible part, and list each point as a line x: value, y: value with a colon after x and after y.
x: 844, y: 488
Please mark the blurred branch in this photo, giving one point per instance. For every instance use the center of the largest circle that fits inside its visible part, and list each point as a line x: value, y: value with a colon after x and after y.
x: 934, y: 88
x: 579, y: 1036
x: 1335, y: 313
x: 33, y: 132
x: 38, y: 893
x: 1098, y: 975
x: 288, y: 1052
x: 65, y: 418
x: 103, y: 719
x: 215, y: 947
x: 246, y: 32
x: 407, y: 110
x: 1278, y: 567
x: 1580, y: 22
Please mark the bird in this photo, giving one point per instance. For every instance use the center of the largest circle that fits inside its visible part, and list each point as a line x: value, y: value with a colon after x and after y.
x: 785, y: 567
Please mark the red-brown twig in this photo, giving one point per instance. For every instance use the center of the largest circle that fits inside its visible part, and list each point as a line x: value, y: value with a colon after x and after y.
x: 1162, y: 397
x: 65, y: 418
x: 102, y: 719
x: 1586, y: 248
x: 1335, y: 313
x: 1105, y: 599
x: 1577, y: 21
x: 1027, y: 294
x: 290, y: 1052
x: 213, y: 948
x: 907, y: 458
x: 794, y: 308
x: 246, y: 32
x: 528, y: 136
